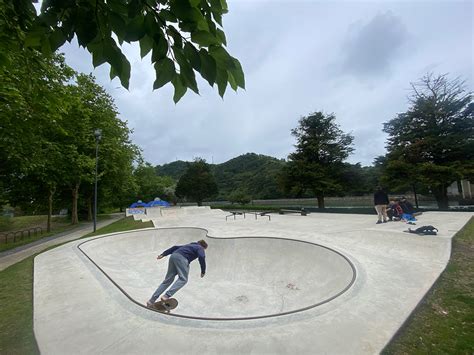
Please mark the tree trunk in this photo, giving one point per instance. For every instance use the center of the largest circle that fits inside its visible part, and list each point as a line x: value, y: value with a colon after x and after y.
x: 416, y: 196
x: 89, y: 208
x: 75, y: 195
x: 50, y: 209
x: 441, y: 195
x: 320, y: 198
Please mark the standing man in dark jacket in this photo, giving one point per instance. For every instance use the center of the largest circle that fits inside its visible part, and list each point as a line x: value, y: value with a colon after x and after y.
x: 381, y: 202
x: 181, y: 257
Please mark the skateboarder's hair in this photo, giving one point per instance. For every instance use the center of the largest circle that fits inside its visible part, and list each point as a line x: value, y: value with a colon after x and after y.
x: 202, y: 243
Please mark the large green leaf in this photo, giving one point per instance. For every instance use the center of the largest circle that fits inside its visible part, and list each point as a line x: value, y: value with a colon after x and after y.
x: 135, y: 29
x: 221, y: 81
x: 238, y: 74
x: 117, y: 24
x: 221, y: 37
x: 203, y: 38
x: 208, y: 67
x: 146, y: 44
x: 192, y: 55
x: 165, y: 72
x: 186, y: 70
x: 223, y: 59
x: 179, y: 88
x: 160, y: 47
x: 151, y: 25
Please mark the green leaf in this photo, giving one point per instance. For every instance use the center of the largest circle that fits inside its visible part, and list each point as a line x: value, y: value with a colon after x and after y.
x: 146, y: 44
x: 217, y: 17
x: 208, y: 67
x: 97, y: 50
x: 221, y: 37
x: 134, y: 8
x: 194, y: 3
x: 160, y: 47
x: 232, y: 82
x: 203, y: 38
x: 117, y: 24
x: 221, y: 81
x: 165, y: 72
x: 179, y: 88
x: 85, y: 26
x: 135, y: 29
x: 238, y: 74
x: 57, y: 39
x: 186, y: 71
x: 33, y: 38
x: 167, y: 15
x: 223, y: 59
x: 178, y: 41
x: 151, y: 26
x: 192, y: 55
x: 125, y: 73
x: 224, y: 6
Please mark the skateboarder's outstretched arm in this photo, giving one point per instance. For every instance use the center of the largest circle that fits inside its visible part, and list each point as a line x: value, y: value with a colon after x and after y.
x: 168, y: 251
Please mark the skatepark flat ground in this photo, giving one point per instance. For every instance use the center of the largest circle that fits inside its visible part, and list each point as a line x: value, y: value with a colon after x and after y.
x: 344, y: 285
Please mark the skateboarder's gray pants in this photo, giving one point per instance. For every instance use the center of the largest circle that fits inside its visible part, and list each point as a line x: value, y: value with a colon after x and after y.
x: 177, y: 265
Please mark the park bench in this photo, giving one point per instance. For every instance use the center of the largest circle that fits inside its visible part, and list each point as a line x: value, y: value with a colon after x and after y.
x: 303, y: 212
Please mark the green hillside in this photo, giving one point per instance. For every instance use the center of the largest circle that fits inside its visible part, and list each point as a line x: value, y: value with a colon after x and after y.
x: 175, y: 169
x: 251, y: 174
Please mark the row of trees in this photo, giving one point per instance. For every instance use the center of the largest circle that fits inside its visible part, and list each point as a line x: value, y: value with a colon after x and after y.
x: 48, y: 114
x: 429, y: 147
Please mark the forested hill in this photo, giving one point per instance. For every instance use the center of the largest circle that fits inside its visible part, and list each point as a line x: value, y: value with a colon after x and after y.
x: 251, y: 174
x: 175, y: 169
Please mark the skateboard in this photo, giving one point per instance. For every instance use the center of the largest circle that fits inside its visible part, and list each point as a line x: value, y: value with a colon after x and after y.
x: 165, y: 306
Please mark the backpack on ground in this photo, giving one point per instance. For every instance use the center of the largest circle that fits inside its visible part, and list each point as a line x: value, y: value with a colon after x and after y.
x: 425, y: 230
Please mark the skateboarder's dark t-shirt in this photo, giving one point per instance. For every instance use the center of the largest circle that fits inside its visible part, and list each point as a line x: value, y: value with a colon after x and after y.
x: 190, y: 252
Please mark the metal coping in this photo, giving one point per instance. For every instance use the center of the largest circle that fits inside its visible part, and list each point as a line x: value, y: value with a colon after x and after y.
x: 354, y: 275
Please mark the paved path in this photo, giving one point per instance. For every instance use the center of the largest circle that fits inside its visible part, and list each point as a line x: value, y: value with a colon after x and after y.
x: 10, y: 257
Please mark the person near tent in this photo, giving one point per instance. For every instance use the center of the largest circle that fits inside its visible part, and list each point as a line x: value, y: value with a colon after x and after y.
x: 380, y: 203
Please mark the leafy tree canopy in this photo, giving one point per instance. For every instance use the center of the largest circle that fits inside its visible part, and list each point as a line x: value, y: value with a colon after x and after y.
x: 183, y: 37
x: 317, y: 164
x: 434, y: 139
x: 197, y: 183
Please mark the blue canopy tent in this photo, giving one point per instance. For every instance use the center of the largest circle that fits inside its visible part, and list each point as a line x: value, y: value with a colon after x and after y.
x: 137, y: 204
x: 157, y: 203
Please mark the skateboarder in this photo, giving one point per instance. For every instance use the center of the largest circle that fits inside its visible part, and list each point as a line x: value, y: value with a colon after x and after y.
x: 181, y: 257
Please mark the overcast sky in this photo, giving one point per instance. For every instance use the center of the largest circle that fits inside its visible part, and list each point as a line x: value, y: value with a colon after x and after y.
x: 353, y: 58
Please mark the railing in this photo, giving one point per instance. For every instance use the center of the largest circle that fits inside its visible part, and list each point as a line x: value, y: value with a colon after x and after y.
x: 18, y: 235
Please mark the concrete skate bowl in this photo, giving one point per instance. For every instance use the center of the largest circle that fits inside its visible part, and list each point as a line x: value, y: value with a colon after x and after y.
x: 246, y: 278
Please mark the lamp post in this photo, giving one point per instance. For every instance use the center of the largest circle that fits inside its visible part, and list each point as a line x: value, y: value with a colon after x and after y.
x: 98, y: 136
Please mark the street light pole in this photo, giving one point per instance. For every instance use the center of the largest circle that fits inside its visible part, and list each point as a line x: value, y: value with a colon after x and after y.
x: 98, y: 136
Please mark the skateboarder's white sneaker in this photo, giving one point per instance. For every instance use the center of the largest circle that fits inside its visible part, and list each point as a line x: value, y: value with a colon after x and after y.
x: 150, y: 304
x: 165, y: 298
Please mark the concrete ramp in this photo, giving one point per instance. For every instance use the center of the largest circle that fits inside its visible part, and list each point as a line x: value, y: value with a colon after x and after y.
x: 247, y: 277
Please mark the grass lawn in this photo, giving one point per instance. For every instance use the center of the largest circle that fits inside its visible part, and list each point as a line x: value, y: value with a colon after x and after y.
x: 58, y: 225
x: 16, y: 298
x: 444, y: 322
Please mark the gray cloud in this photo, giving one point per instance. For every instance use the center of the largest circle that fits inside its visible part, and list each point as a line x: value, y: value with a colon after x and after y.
x: 371, y: 48
x: 292, y: 53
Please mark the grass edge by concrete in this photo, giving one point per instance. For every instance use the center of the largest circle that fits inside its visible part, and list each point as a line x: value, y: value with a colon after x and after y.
x: 441, y: 321
x: 16, y: 296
